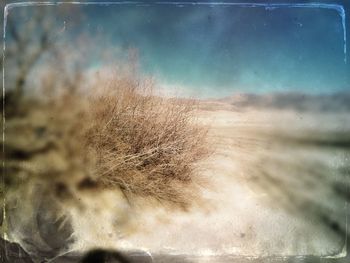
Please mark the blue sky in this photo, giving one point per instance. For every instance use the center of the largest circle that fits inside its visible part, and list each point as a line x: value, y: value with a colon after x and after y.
x: 223, y: 49
x: 218, y: 50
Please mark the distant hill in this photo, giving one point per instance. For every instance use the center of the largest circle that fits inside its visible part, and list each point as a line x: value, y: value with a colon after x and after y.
x: 291, y: 100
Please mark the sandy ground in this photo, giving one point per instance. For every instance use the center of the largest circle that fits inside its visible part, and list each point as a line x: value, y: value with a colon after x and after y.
x: 277, y: 184
x: 273, y: 176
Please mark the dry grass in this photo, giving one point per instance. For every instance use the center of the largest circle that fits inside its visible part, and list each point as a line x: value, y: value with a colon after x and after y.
x: 117, y: 134
x: 145, y: 144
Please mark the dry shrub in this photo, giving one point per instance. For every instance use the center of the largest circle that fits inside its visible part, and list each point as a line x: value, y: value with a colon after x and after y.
x: 145, y: 144
x: 116, y: 133
x: 66, y: 146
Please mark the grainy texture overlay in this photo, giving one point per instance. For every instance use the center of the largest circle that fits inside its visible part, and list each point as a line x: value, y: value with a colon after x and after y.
x: 175, y: 131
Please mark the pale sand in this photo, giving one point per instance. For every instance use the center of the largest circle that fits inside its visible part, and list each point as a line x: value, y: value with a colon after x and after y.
x: 266, y: 196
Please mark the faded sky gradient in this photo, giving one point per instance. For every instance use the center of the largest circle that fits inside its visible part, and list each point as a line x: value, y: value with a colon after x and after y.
x: 219, y: 50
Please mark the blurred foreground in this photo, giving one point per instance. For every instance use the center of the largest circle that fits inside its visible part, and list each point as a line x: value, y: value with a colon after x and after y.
x: 279, y: 186
x: 276, y: 185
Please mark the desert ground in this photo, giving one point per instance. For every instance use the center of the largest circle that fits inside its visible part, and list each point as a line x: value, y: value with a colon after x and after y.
x: 279, y: 181
x: 275, y: 185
